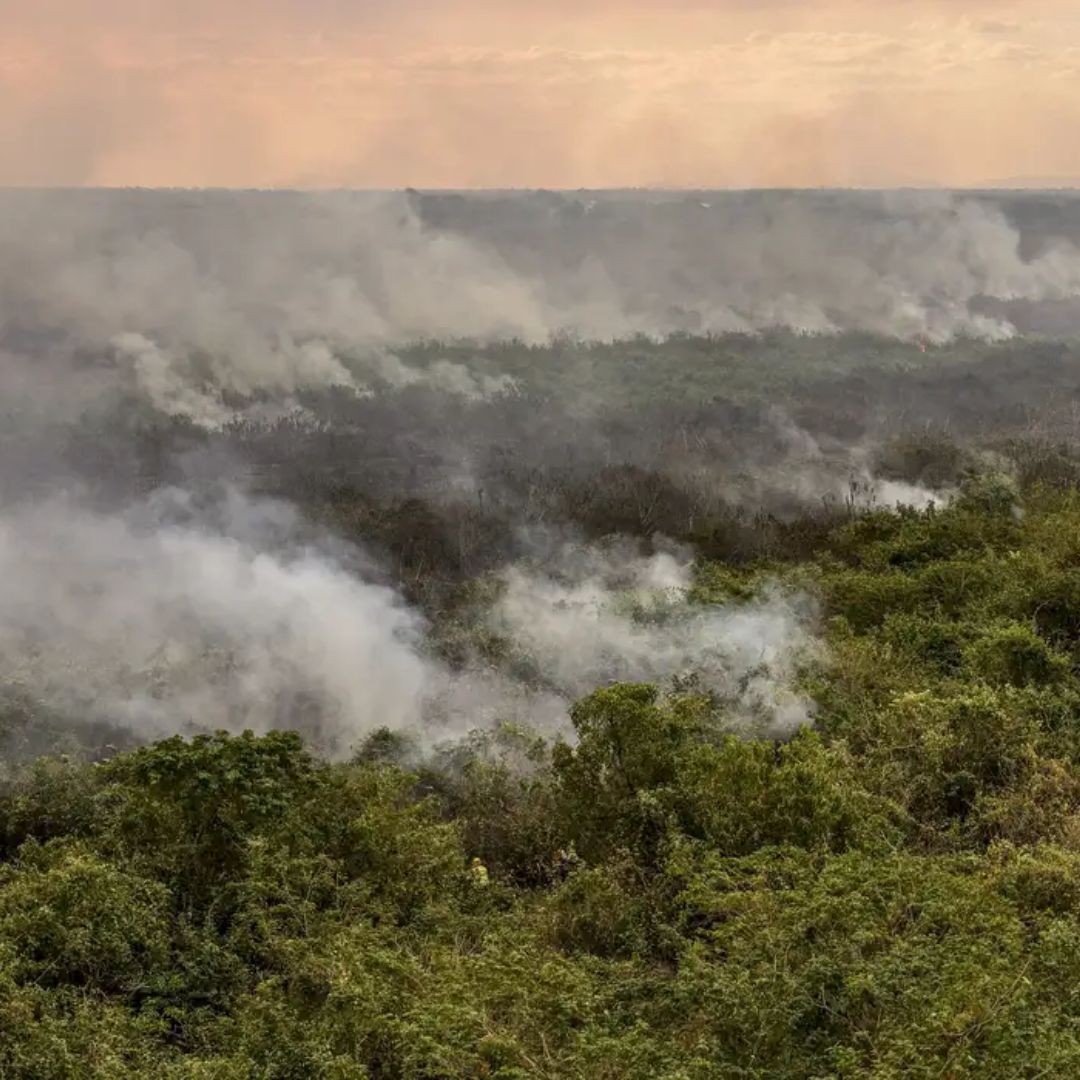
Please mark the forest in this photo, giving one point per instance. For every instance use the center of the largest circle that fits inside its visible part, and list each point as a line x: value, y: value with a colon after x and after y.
x: 892, y: 889
x: 692, y: 705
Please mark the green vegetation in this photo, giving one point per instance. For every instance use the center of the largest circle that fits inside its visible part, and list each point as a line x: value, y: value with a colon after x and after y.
x: 895, y: 893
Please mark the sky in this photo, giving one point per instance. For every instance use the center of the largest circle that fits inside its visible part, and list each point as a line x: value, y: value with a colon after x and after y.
x: 558, y: 94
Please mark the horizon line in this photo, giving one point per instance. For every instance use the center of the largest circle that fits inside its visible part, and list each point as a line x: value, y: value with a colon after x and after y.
x: 1048, y: 187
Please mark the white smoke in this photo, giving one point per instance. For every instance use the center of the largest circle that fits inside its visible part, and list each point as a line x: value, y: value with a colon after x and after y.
x: 198, y: 301
x: 176, y: 385
x: 167, y: 618
x: 159, y: 376
x: 596, y: 617
x: 442, y: 375
x: 214, y: 294
x: 170, y: 627
x: 804, y: 473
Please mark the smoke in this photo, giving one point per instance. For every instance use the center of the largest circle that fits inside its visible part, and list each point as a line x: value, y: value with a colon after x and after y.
x: 809, y: 473
x: 442, y: 376
x: 595, y: 616
x: 247, y: 279
x: 196, y: 388
x: 785, y: 468
x: 165, y: 627
x: 159, y: 377
x: 203, y: 298
x: 205, y: 295
x: 175, y: 616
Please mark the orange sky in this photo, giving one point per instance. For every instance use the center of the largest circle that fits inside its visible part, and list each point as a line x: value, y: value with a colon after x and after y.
x: 565, y: 93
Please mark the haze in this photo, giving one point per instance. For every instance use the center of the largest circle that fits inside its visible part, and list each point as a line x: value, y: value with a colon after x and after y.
x: 473, y: 93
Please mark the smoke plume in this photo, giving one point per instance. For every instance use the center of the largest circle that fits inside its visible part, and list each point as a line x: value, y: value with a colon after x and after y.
x: 171, y: 617
x: 205, y: 295
x: 164, y: 627
x: 596, y: 616
x: 166, y: 613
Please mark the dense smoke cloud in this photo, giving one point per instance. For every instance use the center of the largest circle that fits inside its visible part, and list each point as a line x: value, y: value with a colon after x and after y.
x: 171, y: 617
x: 199, y: 296
x: 295, y: 313
x: 164, y: 626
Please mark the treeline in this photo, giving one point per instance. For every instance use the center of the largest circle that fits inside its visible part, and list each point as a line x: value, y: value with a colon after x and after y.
x: 895, y: 893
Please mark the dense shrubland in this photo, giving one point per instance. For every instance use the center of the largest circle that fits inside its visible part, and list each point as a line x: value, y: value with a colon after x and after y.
x: 893, y: 893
